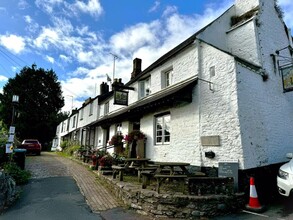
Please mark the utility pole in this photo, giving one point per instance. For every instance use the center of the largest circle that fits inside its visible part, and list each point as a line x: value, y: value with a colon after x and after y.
x: 115, y: 57
x: 71, y: 101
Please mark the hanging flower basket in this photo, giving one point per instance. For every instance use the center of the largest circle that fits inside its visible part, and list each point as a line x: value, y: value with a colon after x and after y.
x: 116, y: 140
x: 134, y: 135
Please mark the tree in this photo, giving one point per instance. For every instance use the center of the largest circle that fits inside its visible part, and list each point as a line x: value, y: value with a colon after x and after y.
x: 40, y: 102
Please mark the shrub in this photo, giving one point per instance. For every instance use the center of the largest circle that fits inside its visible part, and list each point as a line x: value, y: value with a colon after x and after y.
x: 69, y: 150
x: 20, y: 176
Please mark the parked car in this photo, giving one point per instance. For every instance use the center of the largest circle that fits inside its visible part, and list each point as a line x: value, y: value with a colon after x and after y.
x: 285, y: 177
x: 31, y: 146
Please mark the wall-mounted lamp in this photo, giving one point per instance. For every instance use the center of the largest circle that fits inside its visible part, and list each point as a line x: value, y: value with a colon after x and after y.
x: 210, y: 154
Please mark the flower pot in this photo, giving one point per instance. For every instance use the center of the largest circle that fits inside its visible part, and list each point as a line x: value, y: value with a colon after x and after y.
x: 118, y: 148
x: 140, y: 148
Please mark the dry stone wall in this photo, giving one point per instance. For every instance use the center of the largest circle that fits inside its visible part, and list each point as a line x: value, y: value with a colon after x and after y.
x: 7, y: 190
x: 149, y: 202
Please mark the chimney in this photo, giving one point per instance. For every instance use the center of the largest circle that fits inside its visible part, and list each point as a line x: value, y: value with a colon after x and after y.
x: 136, y: 67
x: 104, y: 88
x: 242, y: 6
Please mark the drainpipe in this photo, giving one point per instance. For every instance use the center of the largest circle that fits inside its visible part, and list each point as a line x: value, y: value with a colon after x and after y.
x: 199, y: 75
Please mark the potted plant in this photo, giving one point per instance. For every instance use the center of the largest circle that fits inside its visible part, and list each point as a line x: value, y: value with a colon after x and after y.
x: 135, y: 141
x: 106, y: 161
x: 116, y: 140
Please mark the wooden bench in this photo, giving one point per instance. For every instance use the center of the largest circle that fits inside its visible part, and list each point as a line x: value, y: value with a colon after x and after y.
x: 120, y: 170
x: 146, y: 176
x: 161, y: 177
x: 149, y: 169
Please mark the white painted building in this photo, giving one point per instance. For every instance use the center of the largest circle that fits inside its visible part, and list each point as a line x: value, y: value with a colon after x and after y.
x: 219, y: 91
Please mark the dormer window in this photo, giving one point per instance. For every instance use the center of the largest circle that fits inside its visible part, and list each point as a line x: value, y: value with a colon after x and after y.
x: 144, y: 88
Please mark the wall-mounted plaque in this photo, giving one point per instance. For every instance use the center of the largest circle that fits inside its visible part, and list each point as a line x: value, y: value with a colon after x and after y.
x: 210, y: 140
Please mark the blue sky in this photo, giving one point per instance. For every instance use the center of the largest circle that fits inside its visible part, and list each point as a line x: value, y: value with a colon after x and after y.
x: 76, y: 38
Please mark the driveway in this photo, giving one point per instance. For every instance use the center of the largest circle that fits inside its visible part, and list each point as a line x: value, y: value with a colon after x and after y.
x: 62, y: 189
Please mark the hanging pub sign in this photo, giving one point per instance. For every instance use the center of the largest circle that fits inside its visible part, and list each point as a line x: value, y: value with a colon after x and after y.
x: 120, y: 97
x: 287, y: 76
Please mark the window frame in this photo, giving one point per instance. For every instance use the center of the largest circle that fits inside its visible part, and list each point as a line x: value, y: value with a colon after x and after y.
x: 166, y: 120
x: 144, y: 88
x: 91, y: 109
x: 167, y: 77
x: 81, y: 113
x: 106, y: 108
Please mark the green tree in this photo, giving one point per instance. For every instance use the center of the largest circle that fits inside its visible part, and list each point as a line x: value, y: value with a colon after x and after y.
x: 40, y: 101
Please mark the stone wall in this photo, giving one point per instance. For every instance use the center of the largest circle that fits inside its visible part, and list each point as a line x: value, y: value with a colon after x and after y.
x: 177, y: 205
x: 7, y: 191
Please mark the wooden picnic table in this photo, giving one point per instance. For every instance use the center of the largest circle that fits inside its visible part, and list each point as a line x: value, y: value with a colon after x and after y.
x: 130, y: 163
x: 136, y: 162
x: 174, y: 167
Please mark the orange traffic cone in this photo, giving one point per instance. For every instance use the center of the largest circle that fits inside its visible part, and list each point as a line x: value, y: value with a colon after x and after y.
x: 254, y: 204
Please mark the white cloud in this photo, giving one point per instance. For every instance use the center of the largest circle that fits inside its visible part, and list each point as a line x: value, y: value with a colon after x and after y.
x: 155, y: 6
x: 50, y: 59
x: 65, y: 58
x: 132, y: 38
x: 85, y: 57
x: 14, y: 43
x: 28, y: 19
x: 22, y: 4
x: 93, y: 7
x: 48, y: 36
x: 169, y: 10
x: 3, y: 78
x: 48, y: 5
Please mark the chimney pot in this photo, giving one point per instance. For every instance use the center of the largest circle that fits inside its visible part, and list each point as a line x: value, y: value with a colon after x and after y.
x: 136, y: 67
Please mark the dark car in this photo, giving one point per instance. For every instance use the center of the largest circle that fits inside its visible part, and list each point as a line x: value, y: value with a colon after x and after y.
x: 31, y: 146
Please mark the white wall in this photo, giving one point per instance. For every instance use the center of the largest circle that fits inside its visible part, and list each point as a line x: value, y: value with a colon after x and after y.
x: 242, y: 41
x: 265, y: 112
x: 242, y: 6
x: 218, y: 109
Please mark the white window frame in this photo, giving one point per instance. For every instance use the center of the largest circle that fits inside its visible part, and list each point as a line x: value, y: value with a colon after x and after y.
x: 167, y: 78
x: 74, y: 118
x: 119, y: 128
x: 162, y: 133
x: 91, y: 109
x: 106, y: 108
x: 81, y: 114
x: 144, y: 88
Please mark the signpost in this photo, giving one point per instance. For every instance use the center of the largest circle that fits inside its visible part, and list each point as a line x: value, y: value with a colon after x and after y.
x: 9, y: 144
x: 287, y: 76
x: 229, y: 169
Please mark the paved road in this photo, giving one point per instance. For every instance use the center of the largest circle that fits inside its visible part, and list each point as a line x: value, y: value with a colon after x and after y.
x: 62, y: 189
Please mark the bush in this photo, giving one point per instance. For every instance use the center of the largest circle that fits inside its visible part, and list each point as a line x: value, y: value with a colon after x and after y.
x: 69, y: 150
x: 20, y: 176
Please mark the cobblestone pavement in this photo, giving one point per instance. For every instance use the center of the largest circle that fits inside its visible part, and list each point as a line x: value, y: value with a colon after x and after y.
x: 98, y: 197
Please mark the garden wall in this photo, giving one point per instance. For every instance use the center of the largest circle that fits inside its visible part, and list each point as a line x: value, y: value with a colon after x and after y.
x: 7, y: 191
x: 177, y: 205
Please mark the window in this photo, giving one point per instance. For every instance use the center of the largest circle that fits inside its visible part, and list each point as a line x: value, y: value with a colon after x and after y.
x: 106, y: 110
x: 167, y: 78
x: 100, y: 110
x: 212, y: 71
x: 91, y: 108
x: 73, y: 124
x: 81, y: 114
x: 163, y: 129
x: 144, y: 88
x: 119, y: 128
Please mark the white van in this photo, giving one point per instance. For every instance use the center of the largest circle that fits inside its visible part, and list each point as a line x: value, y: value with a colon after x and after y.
x: 285, y: 177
